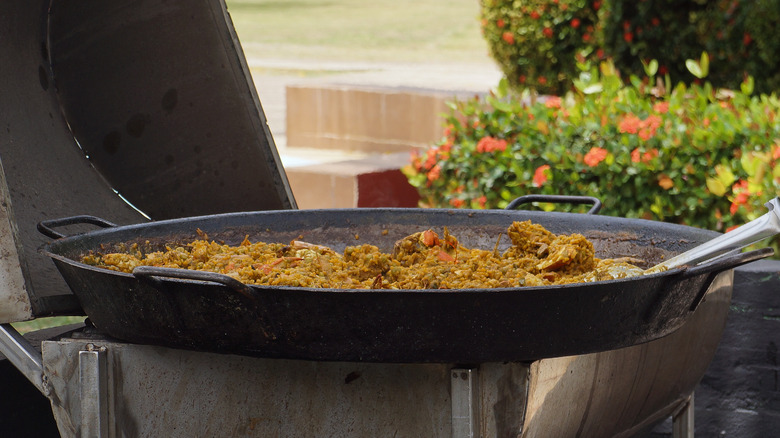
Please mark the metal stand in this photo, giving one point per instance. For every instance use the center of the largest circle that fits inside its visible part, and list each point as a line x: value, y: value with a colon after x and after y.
x: 465, y: 403
x: 120, y: 389
x: 22, y: 355
x: 682, y: 421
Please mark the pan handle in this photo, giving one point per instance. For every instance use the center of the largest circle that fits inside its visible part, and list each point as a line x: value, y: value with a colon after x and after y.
x: 46, y: 227
x: 721, y: 264
x: 147, y: 272
x: 726, y: 262
x: 556, y: 199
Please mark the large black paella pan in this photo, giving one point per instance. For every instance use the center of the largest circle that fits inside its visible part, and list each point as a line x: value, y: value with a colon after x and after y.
x: 212, y: 312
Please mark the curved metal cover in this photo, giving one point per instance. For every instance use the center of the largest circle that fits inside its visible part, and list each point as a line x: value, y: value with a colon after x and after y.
x: 157, y: 94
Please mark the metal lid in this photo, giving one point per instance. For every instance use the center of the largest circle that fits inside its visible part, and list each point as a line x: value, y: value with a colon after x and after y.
x: 149, y: 100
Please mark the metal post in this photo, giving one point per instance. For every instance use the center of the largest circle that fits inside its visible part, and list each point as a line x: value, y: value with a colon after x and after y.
x: 465, y: 403
x: 682, y: 421
x: 22, y: 355
x: 94, y: 394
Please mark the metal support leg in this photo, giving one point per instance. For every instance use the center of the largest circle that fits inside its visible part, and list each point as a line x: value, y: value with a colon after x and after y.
x: 23, y: 356
x: 94, y: 394
x: 682, y: 421
x: 465, y: 403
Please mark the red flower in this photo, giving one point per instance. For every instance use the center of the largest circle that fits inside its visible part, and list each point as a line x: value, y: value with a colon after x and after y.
x: 535, y: 15
x: 661, y: 107
x: 648, y: 126
x: 490, y: 144
x: 548, y: 32
x: 740, y: 185
x: 553, y: 102
x: 653, y: 122
x: 449, y: 130
x: 540, y: 175
x: 457, y: 203
x: 740, y: 189
x: 586, y: 37
x: 575, y: 23
x: 665, y: 182
x: 629, y: 124
x: 508, y: 37
x: 747, y: 39
x: 596, y: 5
x: 655, y: 21
x: 628, y: 36
x: 500, y: 23
x: 482, y: 200
x: 415, y: 159
x: 637, y: 156
x: 542, y: 80
x: 595, y: 156
x: 434, y: 174
x: 431, y: 157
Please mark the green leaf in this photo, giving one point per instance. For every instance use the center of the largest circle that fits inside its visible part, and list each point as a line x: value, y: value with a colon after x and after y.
x: 651, y: 68
x: 751, y: 163
x: 500, y: 105
x: 716, y: 187
x: 694, y: 68
x: 503, y: 88
x: 593, y: 89
x: 704, y: 64
x: 747, y: 85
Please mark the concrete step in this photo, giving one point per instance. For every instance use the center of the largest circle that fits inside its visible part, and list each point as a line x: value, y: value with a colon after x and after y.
x: 368, y: 119
x: 373, y: 180
x: 373, y: 129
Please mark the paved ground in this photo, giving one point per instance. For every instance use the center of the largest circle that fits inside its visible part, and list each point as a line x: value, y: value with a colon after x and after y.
x: 271, y: 76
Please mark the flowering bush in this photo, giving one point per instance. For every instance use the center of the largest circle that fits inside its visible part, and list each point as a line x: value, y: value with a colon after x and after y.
x: 740, y: 36
x: 690, y: 154
x: 535, y: 42
x: 538, y: 43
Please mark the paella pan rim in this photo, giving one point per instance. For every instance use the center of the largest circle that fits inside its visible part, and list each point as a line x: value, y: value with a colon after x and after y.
x: 401, y: 326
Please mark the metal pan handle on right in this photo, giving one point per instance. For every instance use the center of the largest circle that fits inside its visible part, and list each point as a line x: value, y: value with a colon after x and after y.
x: 556, y: 199
x: 754, y: 231
x: 46, y: 227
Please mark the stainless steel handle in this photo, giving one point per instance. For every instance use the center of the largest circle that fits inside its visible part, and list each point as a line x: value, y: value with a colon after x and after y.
x: 754, y: 231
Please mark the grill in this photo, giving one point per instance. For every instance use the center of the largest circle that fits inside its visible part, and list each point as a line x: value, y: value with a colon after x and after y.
x: 144, y: 114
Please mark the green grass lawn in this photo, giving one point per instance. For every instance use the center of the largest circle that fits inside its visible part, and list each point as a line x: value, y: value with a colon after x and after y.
x: 438, y: 31
x: 44, y: 323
